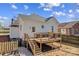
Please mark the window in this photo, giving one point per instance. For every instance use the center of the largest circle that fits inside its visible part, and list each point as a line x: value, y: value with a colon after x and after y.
x: 52, y: 28
x: 33, y: 29
x: 42, y: 26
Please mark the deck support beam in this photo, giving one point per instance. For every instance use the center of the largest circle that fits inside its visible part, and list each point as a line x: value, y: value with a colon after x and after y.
x: 40, y: 46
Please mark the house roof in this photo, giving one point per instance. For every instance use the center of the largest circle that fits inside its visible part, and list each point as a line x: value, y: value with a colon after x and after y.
x: 51, y: 18
x: 47, y: 19
x: 32, y: 16
x: 68, y: 24
x: 62, y: 25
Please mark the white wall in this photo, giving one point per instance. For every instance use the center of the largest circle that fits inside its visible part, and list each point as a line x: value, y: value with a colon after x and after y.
x: 27, y: 27
x: 53, y: 23
x: 14, y: 32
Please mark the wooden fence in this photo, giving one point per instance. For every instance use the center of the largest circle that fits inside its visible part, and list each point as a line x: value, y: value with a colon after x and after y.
x: 70, y: 39
x: 8, y: 46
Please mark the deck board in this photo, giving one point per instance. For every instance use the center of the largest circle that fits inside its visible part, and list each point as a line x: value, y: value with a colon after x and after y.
x: 46, y: 40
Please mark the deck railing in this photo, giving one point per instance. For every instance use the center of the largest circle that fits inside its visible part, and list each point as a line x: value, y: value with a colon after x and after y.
x: 47, y: 34
x: 8, y: 46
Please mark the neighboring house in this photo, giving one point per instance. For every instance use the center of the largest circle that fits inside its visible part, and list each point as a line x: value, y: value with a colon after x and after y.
x: 70, y: 28
x: 31, y: 24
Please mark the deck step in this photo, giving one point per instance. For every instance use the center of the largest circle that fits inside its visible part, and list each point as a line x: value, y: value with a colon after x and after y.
x: 33, y: 45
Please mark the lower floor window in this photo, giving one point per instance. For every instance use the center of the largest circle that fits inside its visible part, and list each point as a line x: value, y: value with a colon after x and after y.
x: 52, y: 28
x: 33, y: 29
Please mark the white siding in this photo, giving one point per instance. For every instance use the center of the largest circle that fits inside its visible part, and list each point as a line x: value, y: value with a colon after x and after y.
x: 27, y: 28
x: 14, y: 32
x: 51, y: 23
x: 33, y: 21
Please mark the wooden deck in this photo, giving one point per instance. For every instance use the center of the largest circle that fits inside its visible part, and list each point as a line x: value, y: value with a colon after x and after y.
x: 46, y: 41
x: 41, y: 40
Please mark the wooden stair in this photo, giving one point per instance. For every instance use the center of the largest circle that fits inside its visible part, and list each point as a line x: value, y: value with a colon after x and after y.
x: 34, y: 47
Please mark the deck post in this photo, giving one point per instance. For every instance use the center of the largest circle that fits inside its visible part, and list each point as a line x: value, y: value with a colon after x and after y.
x: 60, y: 40
x: 40, y: 45
x: 27, y: 43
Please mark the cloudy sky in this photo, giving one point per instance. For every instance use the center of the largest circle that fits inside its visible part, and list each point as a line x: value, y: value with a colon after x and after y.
x: 64, y: 12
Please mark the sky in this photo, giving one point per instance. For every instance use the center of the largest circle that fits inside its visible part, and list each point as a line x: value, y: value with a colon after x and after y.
x: 63, y: 12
